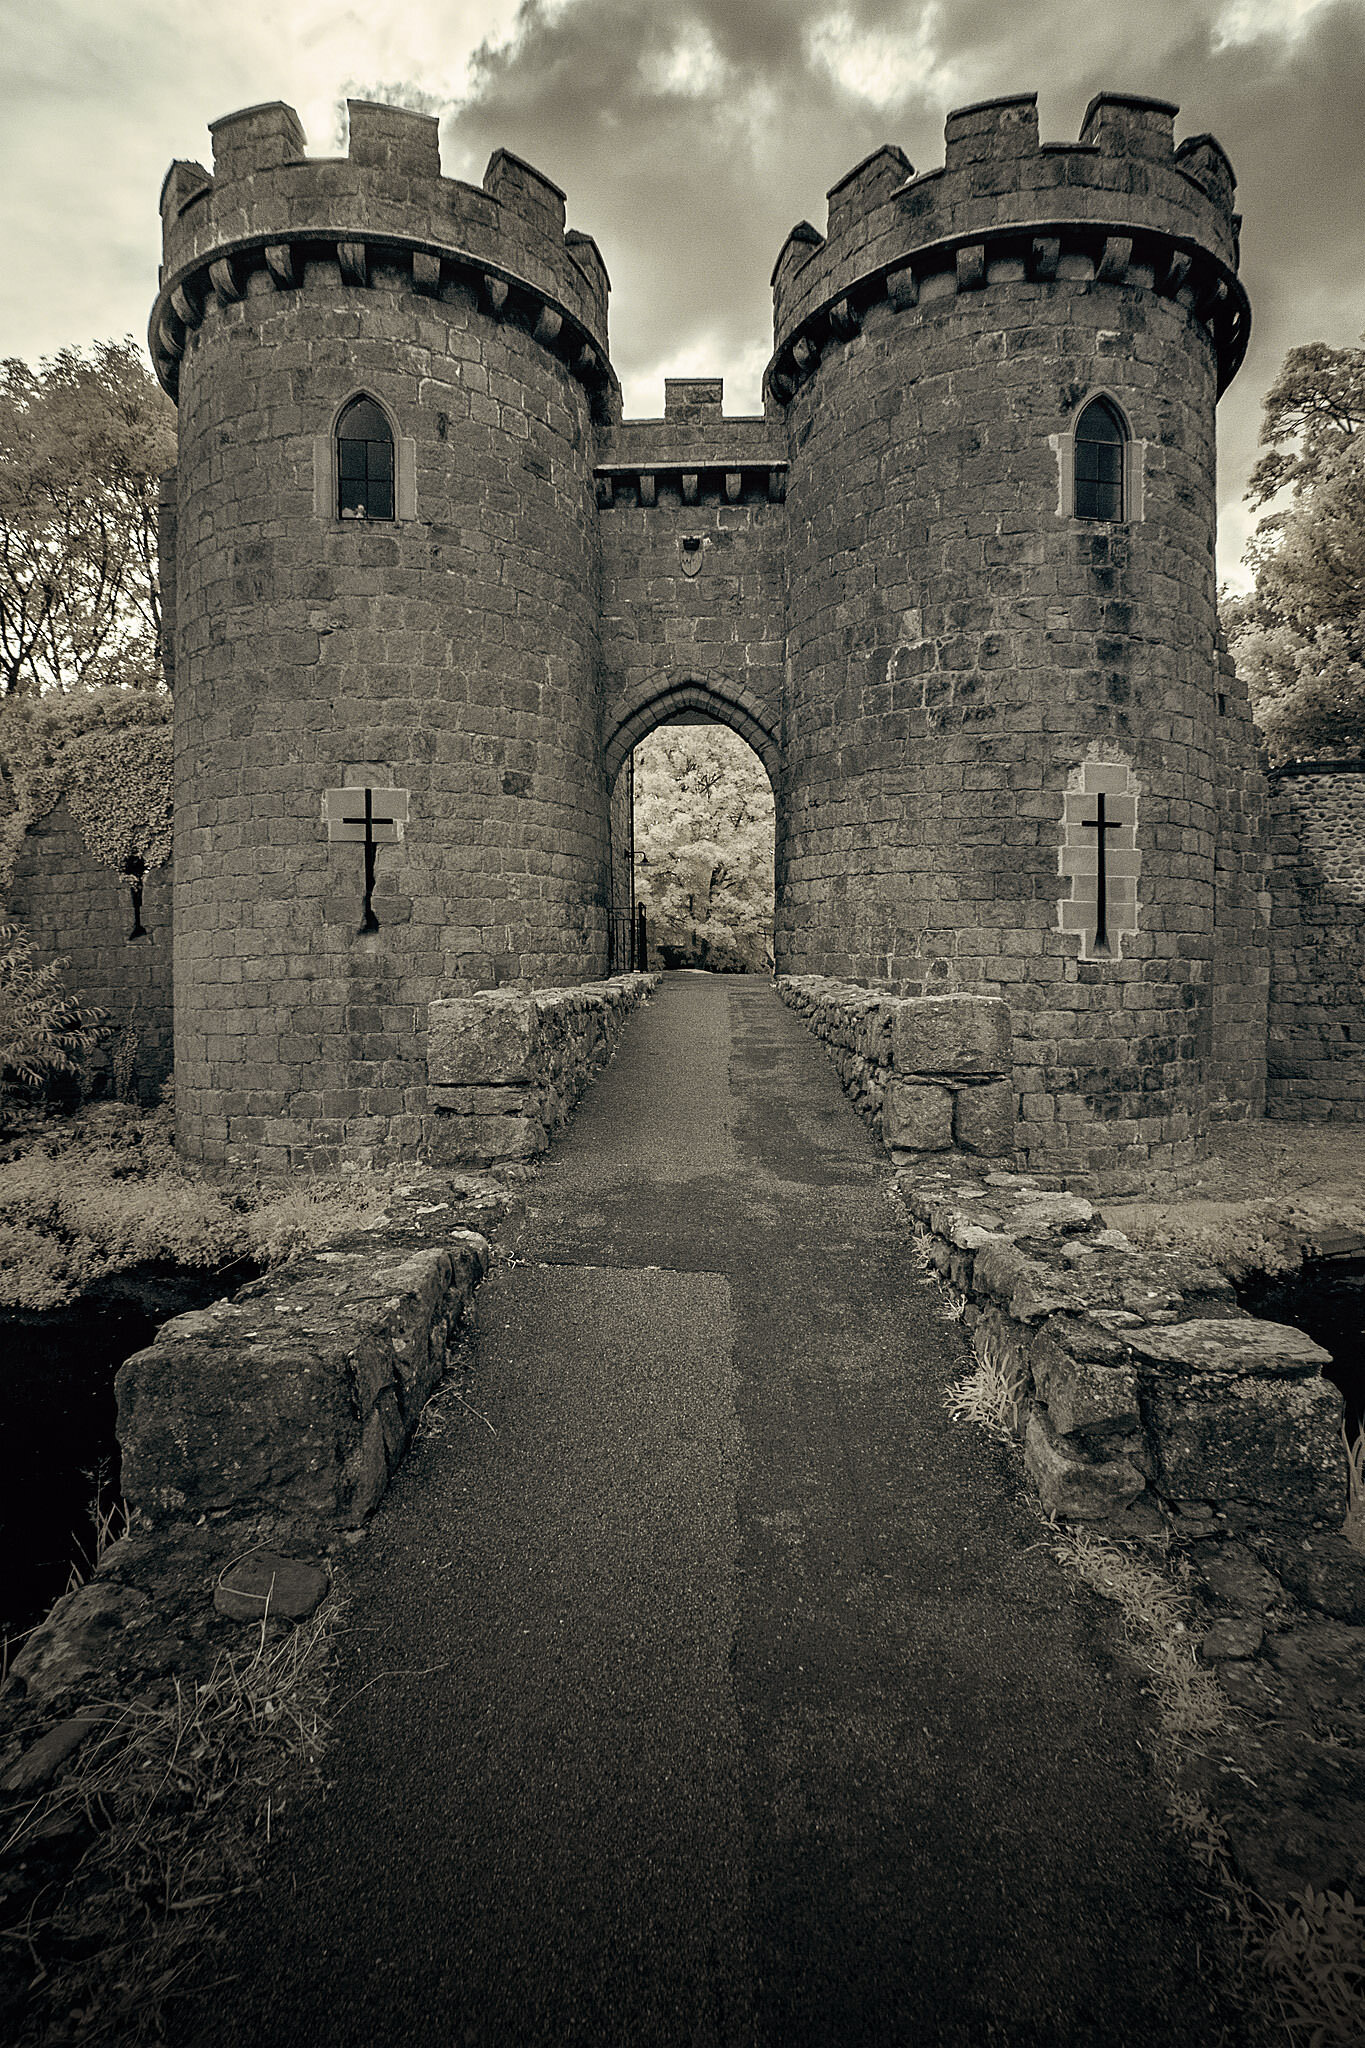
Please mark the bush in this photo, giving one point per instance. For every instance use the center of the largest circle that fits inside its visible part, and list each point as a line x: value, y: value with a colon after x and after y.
x: 46, y: 1033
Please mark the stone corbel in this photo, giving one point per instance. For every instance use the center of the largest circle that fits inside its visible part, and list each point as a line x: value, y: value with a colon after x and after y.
x: 279, y: 261
x: 547, y: 327
x: 426, y: 271
x: 733, y: 484
x: 1176, y: 274
x: 1113, y: 264
x: 495, y: 292
x: 971, y: 267
x: 1044, y: 256
x: 172, y: 344
x: 902, y: 288
x: 186, y: 305
x: 606, y: 491
x: 354, y: 266
x: 691, y: 491
x: 805, y: 353
x: 649, y: 492
x: 227, y: 285
x: 777, y: 486
x: 844, y: 320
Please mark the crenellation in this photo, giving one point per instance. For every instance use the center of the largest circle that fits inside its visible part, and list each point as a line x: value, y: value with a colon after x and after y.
x: 393, y: 139
x: 255, y: 139
x: 525, y: 191
x: 183, y: 182
x: 1130, y: 124
x: 991, y: 129
x: 880, y: 173
x: 1205, y: 160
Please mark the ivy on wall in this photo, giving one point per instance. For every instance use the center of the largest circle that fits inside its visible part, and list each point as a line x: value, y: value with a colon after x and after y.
x: 107, y: 755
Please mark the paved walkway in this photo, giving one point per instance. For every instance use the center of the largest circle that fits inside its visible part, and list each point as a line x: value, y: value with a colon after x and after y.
x: 725, y: 1695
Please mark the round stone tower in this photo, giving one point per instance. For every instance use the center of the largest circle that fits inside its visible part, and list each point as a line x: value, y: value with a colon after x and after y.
x: 1002, y: 707
x: 384, y: 630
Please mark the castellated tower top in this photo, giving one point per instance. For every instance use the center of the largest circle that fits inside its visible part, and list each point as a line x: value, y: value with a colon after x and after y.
x: 268, y: 207
x: 1124, y: 204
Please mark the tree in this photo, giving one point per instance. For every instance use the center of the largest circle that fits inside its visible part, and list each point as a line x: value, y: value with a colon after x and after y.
x: 704, y: 846
x: 83, y: 442
x: 1299, y: 636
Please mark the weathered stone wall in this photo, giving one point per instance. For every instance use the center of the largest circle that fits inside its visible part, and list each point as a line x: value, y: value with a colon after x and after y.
x: 450, y: 652
x: 1317, y: 980
x: 80, y: 911
x: 961, y: 650
x: 505, y: 1070
x: 1142, y: 1397
x: 929, y: 1073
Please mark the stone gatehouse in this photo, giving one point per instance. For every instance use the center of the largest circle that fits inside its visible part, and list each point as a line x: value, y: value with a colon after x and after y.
x: 955, y: 585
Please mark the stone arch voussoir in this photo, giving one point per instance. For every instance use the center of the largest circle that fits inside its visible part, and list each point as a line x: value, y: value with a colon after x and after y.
x: 735, y: 710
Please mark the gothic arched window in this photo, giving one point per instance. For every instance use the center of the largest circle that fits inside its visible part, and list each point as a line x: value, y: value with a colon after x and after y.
x: 364, y: 462
x: 1101, y: 444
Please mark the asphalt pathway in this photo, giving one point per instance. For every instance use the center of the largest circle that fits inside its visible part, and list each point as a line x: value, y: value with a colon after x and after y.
x: 720, y: 1689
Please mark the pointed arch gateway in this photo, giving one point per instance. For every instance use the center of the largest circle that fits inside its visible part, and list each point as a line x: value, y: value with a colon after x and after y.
x: 682, y: 703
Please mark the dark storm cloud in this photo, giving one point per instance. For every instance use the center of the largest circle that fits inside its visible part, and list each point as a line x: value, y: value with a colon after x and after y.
x: 691, y: 137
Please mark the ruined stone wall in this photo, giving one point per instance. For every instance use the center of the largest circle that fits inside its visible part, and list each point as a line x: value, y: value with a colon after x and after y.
x: 970, y: 664
x: 1317, y: 943
x: 1144, y: 1399
x: 78, y: 911
x: 450, y: 652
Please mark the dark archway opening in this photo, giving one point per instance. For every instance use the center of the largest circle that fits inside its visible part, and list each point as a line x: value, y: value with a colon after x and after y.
x: 702, y: 828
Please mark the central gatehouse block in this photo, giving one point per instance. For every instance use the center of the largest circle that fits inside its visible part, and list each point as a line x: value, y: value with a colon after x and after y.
x: 954, y: 584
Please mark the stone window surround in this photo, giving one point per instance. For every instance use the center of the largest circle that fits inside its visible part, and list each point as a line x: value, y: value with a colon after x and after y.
x: 1063, y: 446
x: 325, y: 481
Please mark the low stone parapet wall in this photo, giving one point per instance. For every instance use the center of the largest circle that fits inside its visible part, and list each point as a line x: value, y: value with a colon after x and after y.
x: 299, y: 1394
x: 505, y: 1068
x: 1143, y: 1397
x: 929, y: 1073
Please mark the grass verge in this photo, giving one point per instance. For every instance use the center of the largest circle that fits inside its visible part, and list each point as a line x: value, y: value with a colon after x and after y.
x: 159, y: 1819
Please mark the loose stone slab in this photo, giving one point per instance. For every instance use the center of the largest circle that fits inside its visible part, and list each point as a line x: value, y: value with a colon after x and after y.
x: 266, y: 1583
x: 1232, y: 1345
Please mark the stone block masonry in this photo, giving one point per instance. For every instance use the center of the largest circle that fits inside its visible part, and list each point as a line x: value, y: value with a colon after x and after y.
x: 80, y: 911
x: 886, y: 581
x: 1316, y: 1049
x: 504, y: 1070
x: 929, y: 1073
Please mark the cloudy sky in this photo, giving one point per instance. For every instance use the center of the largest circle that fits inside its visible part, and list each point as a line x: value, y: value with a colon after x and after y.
x: 689, y: 135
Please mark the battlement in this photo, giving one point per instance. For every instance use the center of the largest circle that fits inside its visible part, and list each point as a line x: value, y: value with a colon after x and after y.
x: 1124, y: 204
x: 385, y: 205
